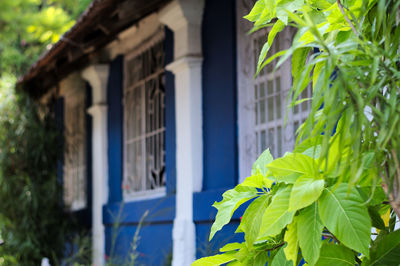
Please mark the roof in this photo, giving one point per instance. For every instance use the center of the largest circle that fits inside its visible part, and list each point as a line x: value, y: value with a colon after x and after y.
x: 96, y: 27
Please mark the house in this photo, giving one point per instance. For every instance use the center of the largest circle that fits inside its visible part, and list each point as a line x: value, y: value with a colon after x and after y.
x: 161, y: 113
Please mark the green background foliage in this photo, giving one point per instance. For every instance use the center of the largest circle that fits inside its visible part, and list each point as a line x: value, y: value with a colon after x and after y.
x: 33, y: 223
x: 29, y: 27
x: 342, y: 180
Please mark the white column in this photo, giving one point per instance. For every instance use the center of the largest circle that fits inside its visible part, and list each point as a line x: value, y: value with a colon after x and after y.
x: 184, y: 18
x: 97, y: 76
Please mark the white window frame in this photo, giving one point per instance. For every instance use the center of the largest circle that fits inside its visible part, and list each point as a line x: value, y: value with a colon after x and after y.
x: 129, y: 88
x: 75, y: 174
x: 249, y: 140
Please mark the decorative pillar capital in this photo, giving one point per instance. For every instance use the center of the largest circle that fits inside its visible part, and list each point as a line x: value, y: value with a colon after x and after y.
x: 98, y: 110
x: 184, y: 18
x: 185, y: 63
x: 97, y: 76
x: 72, y: 87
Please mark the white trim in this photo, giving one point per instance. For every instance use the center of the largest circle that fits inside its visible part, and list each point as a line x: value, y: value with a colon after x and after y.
x: 146, y: 195
x: 184, y: 18
x: 132, y: 38
x: 136, y: 170
x: 97, y: 76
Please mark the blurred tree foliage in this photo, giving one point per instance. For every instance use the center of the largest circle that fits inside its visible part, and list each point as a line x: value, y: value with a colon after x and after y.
x: 29, y: 27
x: 32, y: 222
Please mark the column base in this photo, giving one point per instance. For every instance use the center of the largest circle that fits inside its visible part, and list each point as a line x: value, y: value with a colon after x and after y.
x: 184, y: 239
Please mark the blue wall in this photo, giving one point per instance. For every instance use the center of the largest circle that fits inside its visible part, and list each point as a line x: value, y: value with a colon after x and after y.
x: 114, y: 127
x: 219, y: 123
x: 155, y: 242
x: 155, y: 236
x: 170, y: 135
x: 219, y: 95
x: 220, y: 148
x: 59, y: 117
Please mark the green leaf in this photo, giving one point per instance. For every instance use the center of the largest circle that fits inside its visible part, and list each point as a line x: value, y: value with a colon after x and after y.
x: 299, y: 58
x: 276, y: 216
x: 257, y: 181
x: 289, y: 179
x: 313, y: 152
x: 280, y: 259
x: 335, y: 255
x: 214, y: 260
x: 267, y: 14
x: 386, y: 250
x: 285, y: 6
x: 292, y: 241
x: 232, y: 199
x: 251, y: 220
x: 256, y: 12
x: 309, y: 228
x: 317, y: 71
x: 278, y: 27
x: 231, y: 247
x: 294, y: 163
x: 260, y: 164
x: 346, y: 216
x: 260, y: 259
x: 376, y: 218
x: 306, y: 190
x: 234, y: 263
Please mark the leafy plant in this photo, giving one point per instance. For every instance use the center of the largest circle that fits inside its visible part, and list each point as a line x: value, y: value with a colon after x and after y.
x: 132, y: 259
x: 32, y: 222
x: 320, y: 202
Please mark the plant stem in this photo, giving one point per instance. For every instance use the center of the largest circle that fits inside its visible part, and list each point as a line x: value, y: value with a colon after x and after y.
x: 331, y: 236
x: 276, y: 247
x: 347, y: 18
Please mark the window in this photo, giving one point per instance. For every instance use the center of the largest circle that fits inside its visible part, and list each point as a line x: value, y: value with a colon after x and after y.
x: 75, y: 152
x: 144, y: 122
x: 262, y: 99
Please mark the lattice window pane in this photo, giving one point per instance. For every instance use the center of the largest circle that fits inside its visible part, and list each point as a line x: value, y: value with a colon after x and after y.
x: 270, y: 101
x: 75, y: 153
x: 144, y: 119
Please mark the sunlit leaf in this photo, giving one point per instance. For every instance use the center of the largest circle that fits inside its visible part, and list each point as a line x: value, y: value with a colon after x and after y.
x: 232, y: 199
x: 345, y: 215
x: 309, y: 228
x: 335, y: 255
x: 292, y: 241
x: 276, y: 216
x: 305, y: 191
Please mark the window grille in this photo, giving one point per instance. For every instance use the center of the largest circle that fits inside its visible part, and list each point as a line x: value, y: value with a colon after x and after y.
x: 270, y: 101
x: 264, y: 120
x: 144, y: 120
x: 75, y: 153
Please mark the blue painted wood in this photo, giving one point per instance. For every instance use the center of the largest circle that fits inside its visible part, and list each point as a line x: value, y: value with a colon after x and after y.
x: 114, y: 127
x: 170, y: 133
x: 87, y: 214
x: 202, y: 205
x: 227, y: 235
x: 160, y: 210
x: 219, y: 95
x: 154, y: 244
x: 155, y: 237
x: 59, y: 116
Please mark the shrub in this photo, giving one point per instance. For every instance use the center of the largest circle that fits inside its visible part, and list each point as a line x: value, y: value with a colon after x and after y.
x: 320, y: 202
